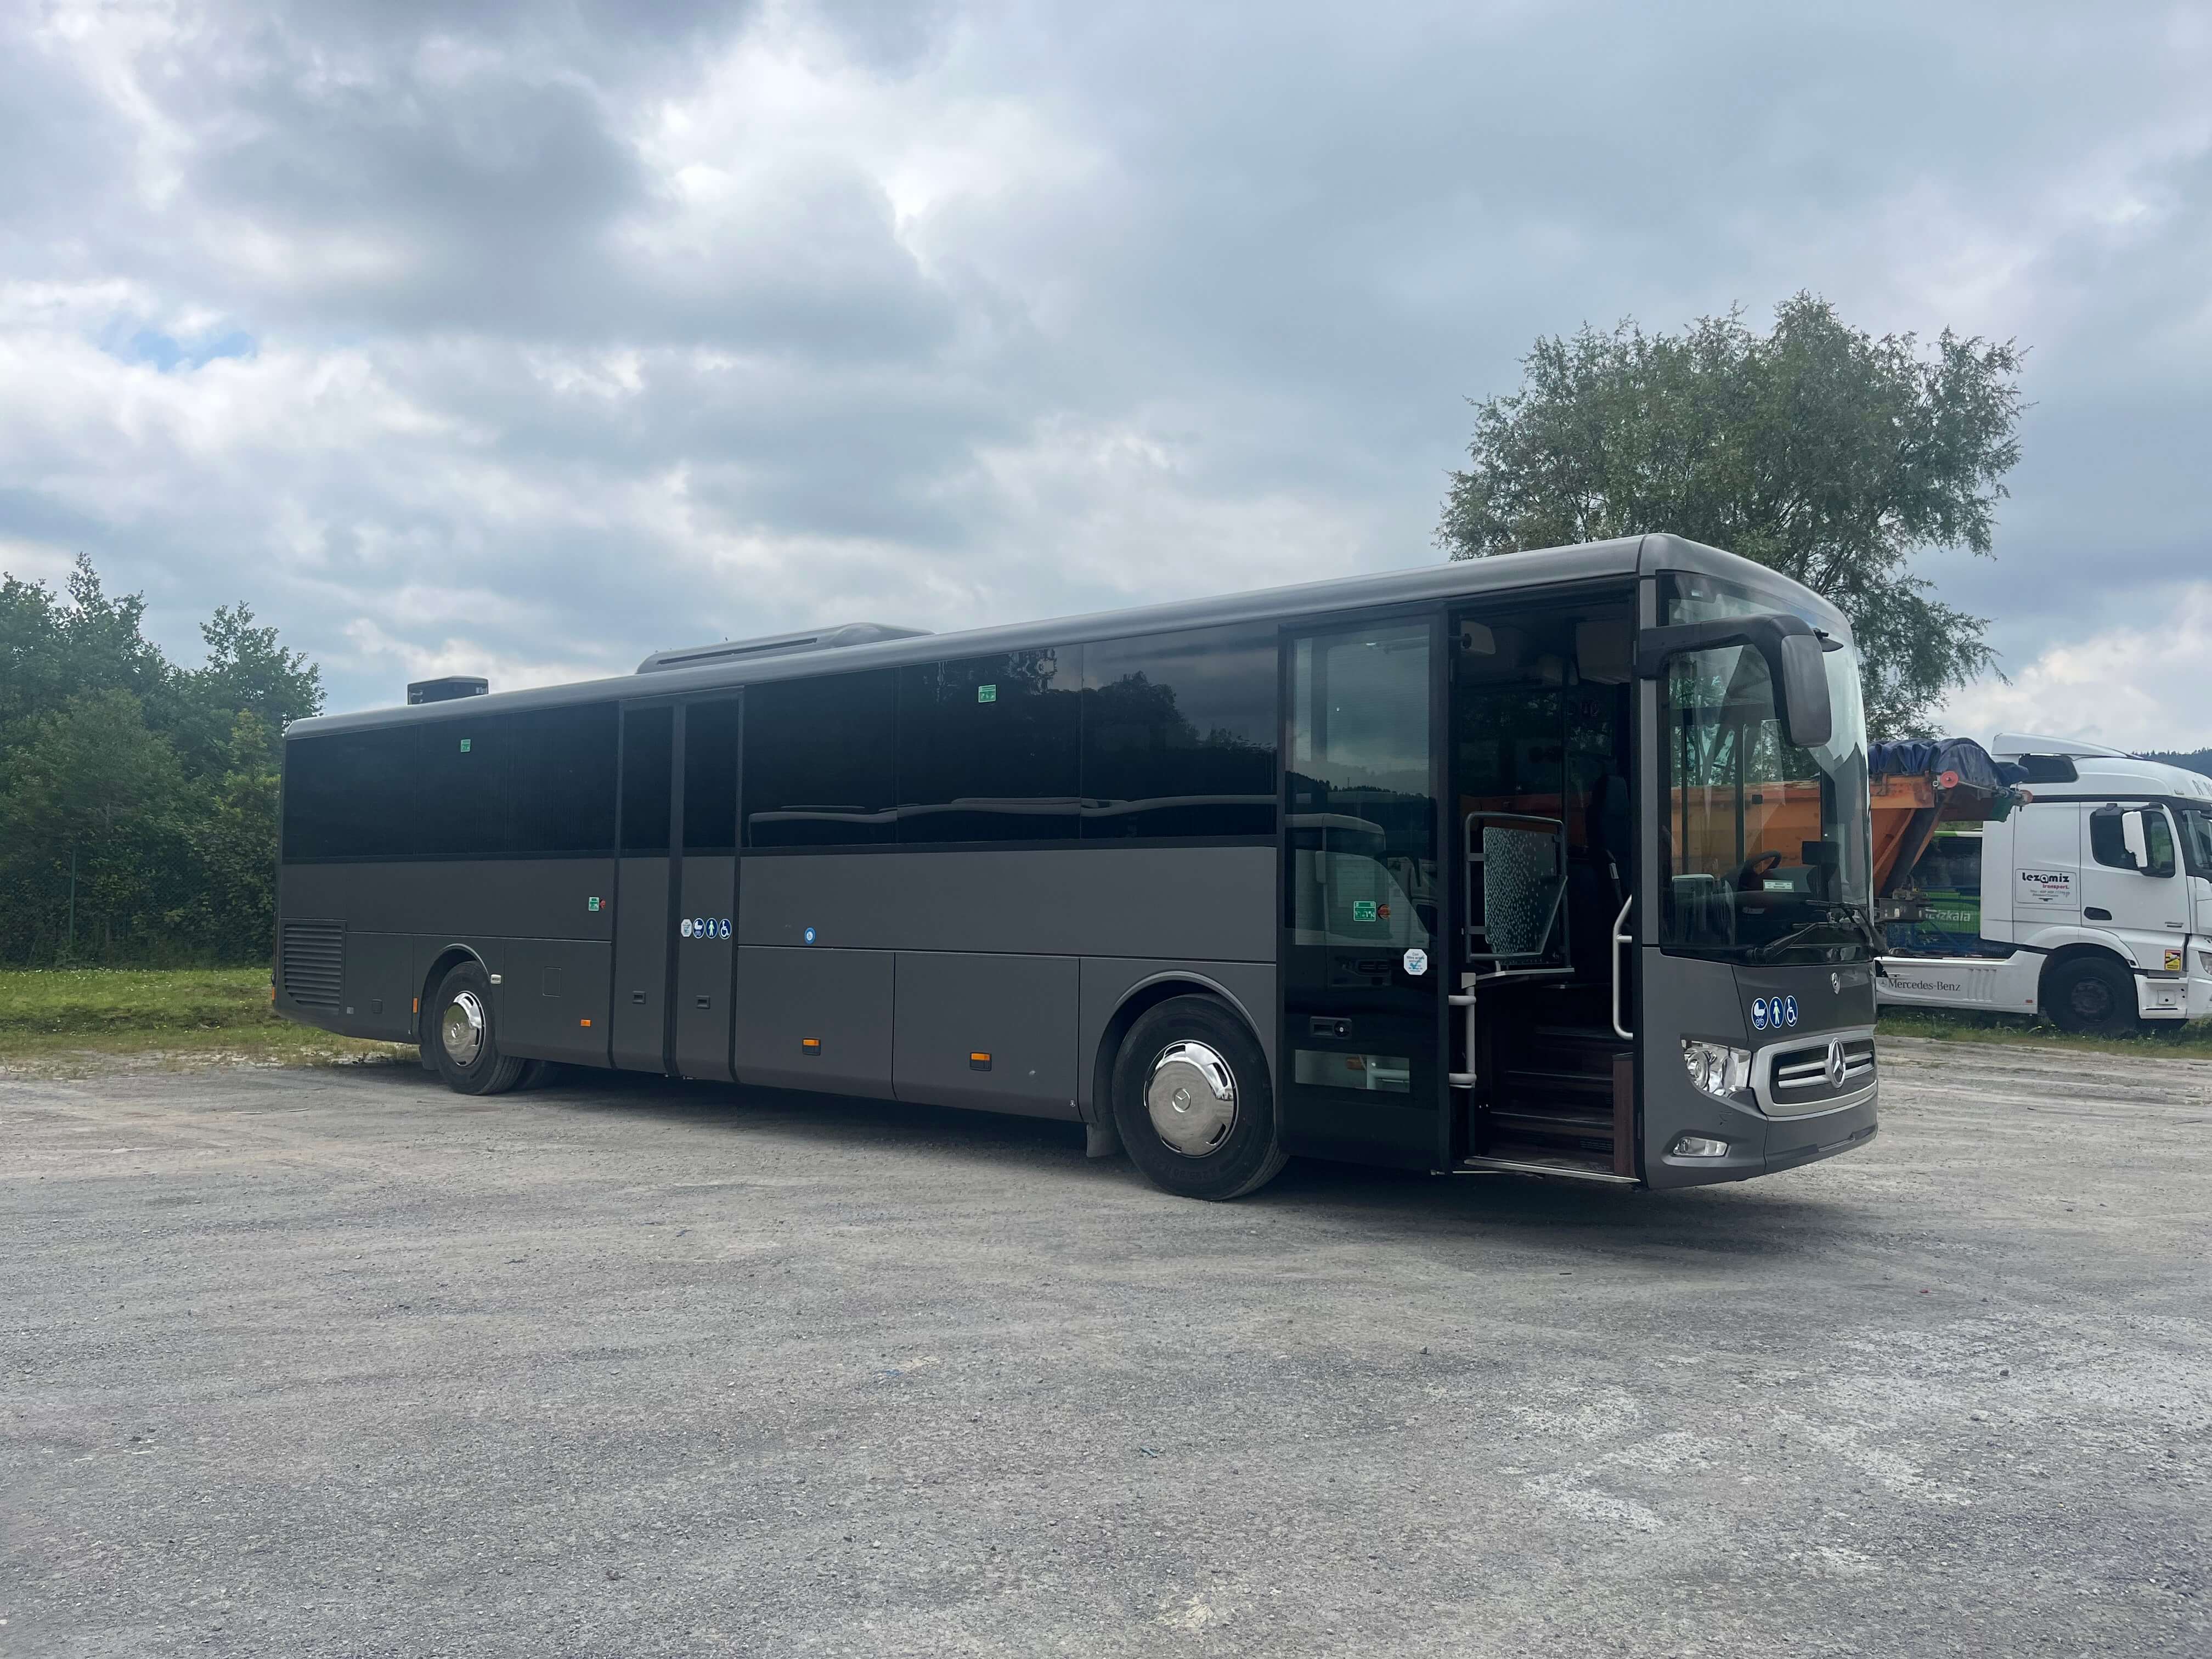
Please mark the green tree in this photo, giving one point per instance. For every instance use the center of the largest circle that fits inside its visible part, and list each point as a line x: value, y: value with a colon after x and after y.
x: 140, y: 796
x: 246, y: 672
x: 91, y: 822
x: 1815, y: 448
x: 232, y: 833
x: 50, y: 651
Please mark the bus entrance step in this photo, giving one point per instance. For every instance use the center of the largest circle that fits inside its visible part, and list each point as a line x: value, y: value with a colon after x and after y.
x: 1532, y: 1160
x: 1551, y: 1082
x: 1542, y: 1120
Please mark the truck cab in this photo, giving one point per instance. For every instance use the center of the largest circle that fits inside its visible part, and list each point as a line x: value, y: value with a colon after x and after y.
x: 2091, y: 905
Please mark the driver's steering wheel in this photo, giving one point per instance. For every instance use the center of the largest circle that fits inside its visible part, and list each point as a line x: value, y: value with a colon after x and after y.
x: 1751, y: 875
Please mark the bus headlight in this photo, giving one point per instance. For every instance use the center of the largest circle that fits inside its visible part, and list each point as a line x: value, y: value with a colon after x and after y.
x: 1721, y: 1070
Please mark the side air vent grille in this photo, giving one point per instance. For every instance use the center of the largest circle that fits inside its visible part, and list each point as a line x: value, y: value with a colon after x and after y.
x: 312, y: 956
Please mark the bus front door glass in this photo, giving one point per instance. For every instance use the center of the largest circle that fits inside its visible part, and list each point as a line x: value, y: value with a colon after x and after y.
x: 1361, y: 967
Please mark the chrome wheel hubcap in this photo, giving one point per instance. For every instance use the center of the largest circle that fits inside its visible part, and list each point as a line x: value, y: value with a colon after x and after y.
x: 1192, y: 1098
x: 463, y: 1029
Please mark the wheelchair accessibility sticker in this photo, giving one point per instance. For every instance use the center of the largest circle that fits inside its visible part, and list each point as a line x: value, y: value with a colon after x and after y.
x: 1773, y: 1012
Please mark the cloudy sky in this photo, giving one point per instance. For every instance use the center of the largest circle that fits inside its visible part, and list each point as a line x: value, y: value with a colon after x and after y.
x: 522, y: 339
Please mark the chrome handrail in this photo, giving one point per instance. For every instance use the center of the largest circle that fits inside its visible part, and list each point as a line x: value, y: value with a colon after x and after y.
x: 1620, y: 938
x: 1464, y: 1079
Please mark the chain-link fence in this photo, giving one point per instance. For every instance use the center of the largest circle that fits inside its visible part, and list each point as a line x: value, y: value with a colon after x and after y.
x: 142, y: 897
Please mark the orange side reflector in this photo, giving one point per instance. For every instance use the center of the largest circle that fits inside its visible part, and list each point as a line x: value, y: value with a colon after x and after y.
x: 979, y: 1055
x: 810, y: 1042
x: 583, y: 1022
x: 418, y: 1005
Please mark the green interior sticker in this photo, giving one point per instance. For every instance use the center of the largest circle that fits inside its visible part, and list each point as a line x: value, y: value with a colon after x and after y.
x: 464, y: 745
x: 1363, y: 910
x: 986, y: 693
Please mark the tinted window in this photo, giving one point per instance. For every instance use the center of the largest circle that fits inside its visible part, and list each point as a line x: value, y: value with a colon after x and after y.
x: 464, y: 767
x: 1363, y: 822
x: 649, y: 744
x: 1179, y: 735
x: 819, y: 761
x: 560, y: 782
x: 352, y: 795
x: 710, y: 777
x: 2107, y: 844
x: 986, y: 748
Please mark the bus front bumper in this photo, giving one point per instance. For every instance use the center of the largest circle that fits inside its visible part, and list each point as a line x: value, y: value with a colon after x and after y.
x: 1759, y: 1145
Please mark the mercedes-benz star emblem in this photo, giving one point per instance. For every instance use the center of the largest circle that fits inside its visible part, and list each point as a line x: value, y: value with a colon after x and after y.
x: 1835, y: 1066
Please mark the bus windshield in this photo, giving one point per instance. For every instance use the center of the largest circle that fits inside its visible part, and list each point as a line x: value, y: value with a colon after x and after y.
x: 1765, y: 846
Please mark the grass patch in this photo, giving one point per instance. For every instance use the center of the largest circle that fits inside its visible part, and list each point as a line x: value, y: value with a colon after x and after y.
x: 2180, y: 1041
x: 69, y: 1021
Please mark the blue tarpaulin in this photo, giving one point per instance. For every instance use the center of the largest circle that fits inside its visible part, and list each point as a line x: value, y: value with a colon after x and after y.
x: 1913, y: 757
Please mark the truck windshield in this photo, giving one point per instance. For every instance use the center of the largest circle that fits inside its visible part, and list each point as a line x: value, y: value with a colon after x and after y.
x: 1765, y: 846
x: 2196, y: 824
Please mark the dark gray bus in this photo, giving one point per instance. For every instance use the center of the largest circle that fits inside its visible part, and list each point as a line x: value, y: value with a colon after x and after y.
x: 1555, y: 864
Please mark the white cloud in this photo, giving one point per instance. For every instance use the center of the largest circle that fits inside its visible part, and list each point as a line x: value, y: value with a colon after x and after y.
x: 2130, y: 687
x: 581, y: 331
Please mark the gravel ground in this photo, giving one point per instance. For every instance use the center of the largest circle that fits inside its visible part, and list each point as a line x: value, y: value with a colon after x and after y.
x: 335, y: 1363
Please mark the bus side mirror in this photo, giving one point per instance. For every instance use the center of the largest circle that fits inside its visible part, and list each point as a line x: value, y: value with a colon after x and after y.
x: 1807, y: 713
x: 1789, y: 645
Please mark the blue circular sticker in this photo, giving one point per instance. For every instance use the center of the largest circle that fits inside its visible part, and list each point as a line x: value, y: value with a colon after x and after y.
x: 1758, y: 1013
x: 810, y: 936
x: 1790, y: 1011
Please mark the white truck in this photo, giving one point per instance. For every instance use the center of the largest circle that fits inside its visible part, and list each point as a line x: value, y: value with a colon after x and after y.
x: 2092, y: 905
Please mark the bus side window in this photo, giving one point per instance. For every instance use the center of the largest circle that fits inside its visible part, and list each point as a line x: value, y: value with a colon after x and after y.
x: 1179, y: 735
x: 560, y: 782
x: 352, y: 795
x: 986, y: 748
x: 819, y: 761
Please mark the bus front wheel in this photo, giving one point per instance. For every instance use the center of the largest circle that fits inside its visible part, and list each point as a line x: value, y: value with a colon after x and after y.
x: 464, y: 1039
x: 1192, y: 1101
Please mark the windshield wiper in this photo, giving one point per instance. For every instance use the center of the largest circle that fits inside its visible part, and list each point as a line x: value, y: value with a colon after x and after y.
x: 1837, y: 914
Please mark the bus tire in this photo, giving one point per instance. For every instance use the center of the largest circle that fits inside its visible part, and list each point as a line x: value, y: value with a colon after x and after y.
x: 1192, y: 1102
x: 2090, y: 995
x: 464, y: 1035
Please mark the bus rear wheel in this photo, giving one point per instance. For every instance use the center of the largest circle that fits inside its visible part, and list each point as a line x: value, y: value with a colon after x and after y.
x: 463, y: 1039
x: 2092, y: 996
x: 1192, y: 1101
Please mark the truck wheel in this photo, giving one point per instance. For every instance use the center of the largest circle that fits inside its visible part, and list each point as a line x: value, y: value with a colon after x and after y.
x: 463, y: 1038
x: 2092, y: 996
x: 1192, y: 1101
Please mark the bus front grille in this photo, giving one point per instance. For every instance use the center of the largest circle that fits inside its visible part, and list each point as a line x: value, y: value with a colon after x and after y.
x: 1798, y: 1070
x: 312, y: 957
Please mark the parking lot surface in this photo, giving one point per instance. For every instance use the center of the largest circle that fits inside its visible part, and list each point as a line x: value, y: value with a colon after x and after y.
x: 336, y: 1363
